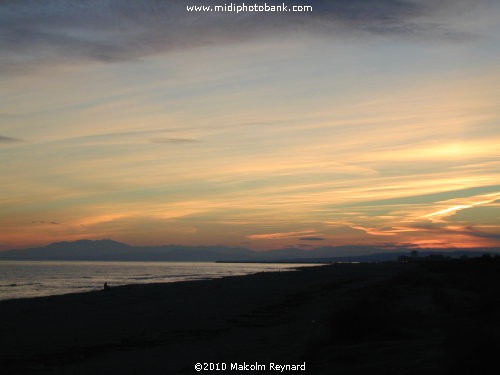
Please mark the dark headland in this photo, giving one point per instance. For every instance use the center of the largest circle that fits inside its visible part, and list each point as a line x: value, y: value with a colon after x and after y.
x: 430, y: 317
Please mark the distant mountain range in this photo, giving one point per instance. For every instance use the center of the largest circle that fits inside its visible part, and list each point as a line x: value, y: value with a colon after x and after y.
x: 109, y: 250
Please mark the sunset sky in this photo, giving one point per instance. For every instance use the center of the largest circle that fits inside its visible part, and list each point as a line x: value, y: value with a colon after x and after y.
x: 361, y: 122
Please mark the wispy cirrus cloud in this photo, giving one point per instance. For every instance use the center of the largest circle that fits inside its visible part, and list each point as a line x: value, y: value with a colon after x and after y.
x: 453, y: 207
x: 174, y: 140
x: 438, y: 227
x: 367, y: 230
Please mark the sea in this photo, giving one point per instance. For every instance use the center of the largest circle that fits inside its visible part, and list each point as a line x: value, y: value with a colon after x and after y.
x: 26, y: 279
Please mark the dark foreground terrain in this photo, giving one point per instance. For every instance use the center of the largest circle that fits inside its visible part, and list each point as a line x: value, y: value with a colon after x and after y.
x: 428, y: 317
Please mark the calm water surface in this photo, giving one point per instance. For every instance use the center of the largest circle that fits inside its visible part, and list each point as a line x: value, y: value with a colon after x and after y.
x: 20, y: 279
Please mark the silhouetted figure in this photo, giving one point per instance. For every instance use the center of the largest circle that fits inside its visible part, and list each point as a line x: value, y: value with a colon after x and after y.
x: 106, y: 286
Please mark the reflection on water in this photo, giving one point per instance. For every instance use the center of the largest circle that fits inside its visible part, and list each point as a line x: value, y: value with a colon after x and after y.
x: 19, y: 279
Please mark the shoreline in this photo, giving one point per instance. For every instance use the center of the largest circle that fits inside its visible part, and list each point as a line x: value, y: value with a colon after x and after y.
x: 167, y: 279
x: 55, y: 332
x: 340, y: 318
x: 128, y: 286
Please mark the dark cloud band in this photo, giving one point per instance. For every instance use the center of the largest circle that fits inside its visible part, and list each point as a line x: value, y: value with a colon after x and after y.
x: 4, y: 139
x: 35, y: 32
x: 312, y: 239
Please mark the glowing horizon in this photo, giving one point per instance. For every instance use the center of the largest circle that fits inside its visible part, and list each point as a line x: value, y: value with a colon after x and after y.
x: 360, y: 127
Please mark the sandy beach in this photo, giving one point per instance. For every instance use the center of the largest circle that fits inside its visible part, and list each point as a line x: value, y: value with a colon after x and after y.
x: 336, y: 319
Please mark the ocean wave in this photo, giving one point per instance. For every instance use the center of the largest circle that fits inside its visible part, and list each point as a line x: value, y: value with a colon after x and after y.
x: 18, y: 284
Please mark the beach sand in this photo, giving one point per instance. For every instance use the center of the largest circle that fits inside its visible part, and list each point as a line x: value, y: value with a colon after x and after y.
x: 338, y: 319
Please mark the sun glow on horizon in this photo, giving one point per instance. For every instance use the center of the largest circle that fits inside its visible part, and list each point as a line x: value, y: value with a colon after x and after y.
x: 326, y: 134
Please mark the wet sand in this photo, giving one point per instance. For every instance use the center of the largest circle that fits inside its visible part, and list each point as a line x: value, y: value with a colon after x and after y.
x: 286, y: 318
x: 168, y: 328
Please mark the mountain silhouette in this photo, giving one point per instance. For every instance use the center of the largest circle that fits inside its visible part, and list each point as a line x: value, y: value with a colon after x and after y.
x: 110, y: 250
